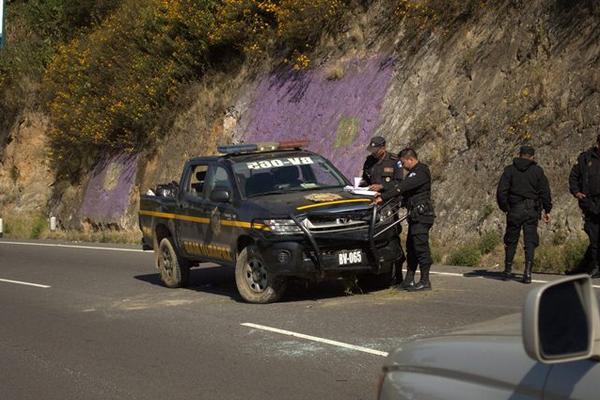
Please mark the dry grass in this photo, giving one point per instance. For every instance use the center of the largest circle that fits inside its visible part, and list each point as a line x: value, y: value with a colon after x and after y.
x: 102, y: 236
x: 25, y: 225
x: 35, y: 225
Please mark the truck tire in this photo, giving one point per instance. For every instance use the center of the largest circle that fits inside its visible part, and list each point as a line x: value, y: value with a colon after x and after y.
x: 253, y: 281
x: 372, y: 282
x: 174, y: 270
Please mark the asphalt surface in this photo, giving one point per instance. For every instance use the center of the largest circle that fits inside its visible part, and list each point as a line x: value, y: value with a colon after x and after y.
x: 105, y: 328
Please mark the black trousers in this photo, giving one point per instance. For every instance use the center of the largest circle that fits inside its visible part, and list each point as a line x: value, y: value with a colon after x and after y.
x: 517, y: 219
x: 592, y: 229
x: 417, y: 246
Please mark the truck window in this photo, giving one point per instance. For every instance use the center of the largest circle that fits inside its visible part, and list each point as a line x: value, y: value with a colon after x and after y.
x: 281, y: 173
x: 197, y: 179
x: 219, y: 179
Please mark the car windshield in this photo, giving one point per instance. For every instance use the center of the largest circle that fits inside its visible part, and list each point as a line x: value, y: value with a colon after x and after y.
x: 277, y: 174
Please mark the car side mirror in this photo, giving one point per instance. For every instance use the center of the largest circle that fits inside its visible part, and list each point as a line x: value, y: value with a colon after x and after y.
x: 220, y: 196
x: 561, y: 321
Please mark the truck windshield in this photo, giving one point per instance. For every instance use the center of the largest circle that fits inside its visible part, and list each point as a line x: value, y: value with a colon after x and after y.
x: 283, y: 174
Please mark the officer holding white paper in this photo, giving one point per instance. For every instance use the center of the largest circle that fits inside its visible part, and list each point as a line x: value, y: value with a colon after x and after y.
x: 381, y: 170
x: 382, y: 173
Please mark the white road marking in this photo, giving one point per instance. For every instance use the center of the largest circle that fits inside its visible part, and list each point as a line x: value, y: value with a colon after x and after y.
x: 25, y: 283
x: 463, y: 276
x: 316, y: 339
x: 69, y: 246
x: 448, y: 274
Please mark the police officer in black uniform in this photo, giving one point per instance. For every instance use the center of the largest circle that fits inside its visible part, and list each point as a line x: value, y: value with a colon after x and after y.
x: 523, y: 192
x: 381, y: 169
x: 584, y: 184
x: 415, y: 191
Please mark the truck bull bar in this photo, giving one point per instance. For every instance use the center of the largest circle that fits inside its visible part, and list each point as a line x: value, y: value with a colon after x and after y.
x: 376, y: 228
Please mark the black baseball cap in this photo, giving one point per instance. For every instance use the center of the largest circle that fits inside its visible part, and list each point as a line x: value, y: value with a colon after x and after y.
x: 527, y: 150
x: 375, y: 143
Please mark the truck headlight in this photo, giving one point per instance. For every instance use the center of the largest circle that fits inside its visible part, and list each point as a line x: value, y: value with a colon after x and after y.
x: 279, y: 226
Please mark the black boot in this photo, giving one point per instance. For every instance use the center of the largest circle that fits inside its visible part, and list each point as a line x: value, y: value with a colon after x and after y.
x: 424, y: 283
x: 595, y: 272
x: 507, y: 273
x: 408, y: 281
x: 527, y: 272
x: 397, y: 273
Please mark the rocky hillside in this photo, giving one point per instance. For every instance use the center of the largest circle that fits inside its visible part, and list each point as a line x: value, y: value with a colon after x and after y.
x: 464, y: 84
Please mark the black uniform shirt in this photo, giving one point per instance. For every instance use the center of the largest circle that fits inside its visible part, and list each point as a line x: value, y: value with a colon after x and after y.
x: 416, y: 184
x: 523, y: 180
x: 585, y: 175
x: 415, y: 191
x: 386, y: 171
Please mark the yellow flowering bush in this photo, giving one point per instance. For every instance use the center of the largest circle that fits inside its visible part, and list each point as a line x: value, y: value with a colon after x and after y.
x: 34, y: 29
x: 111, y: 88
x: 108, y: 89
x: 255, y: 26
x: 426, y: 15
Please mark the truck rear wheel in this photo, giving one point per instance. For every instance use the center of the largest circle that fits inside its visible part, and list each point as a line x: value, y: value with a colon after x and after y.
x: 254, y: 283
x: 174, y: 270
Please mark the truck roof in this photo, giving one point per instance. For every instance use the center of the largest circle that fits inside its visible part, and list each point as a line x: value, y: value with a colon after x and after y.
x: 243, y: 157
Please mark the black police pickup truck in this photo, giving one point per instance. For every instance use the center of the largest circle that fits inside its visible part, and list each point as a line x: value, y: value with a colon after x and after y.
x: 274, y: 212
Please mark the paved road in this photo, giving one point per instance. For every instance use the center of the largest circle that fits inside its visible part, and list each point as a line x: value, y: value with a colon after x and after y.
x: 105, y: 328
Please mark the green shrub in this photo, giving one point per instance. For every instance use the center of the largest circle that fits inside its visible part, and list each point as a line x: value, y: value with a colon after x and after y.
x: 7, y: 228
x: 560, y: 258
x: 39, y: 224
x: 488, y: 242
x: 574, y: 253
x: 436, y: 255
x: 487, y: 210
x: 548, y: 259
x: 26, y: 225
x: 467, y: 256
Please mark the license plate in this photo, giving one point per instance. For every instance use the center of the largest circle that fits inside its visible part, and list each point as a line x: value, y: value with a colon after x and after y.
x: 350, y: 257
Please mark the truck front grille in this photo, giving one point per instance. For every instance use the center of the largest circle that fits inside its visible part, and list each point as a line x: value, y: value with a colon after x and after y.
x: 336, y: 223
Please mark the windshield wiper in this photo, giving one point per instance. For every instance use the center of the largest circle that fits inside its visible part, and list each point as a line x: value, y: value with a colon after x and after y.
x: 294, y: 189
x: 301, y: 189
x: 267, y: 193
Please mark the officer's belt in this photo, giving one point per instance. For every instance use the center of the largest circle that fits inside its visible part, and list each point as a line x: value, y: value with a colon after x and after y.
x: 527, y: 203
x: 418, y: 199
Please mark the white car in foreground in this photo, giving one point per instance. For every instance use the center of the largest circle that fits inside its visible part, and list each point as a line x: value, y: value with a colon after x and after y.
x: 551, y: 351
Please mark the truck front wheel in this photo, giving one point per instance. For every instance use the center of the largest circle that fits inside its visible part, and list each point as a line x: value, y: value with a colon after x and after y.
x: 174, y: 271
x: 253, y: 281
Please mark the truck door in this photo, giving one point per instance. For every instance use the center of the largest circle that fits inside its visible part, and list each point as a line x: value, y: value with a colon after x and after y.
x: 223, y: 228
x: 192, y: 221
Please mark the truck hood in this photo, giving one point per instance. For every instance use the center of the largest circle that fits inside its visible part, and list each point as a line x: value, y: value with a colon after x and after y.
x: 310, y: 201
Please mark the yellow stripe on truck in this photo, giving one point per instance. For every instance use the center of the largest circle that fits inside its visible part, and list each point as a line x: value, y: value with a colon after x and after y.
x: 202, y: 220
x: 331, y: 203
x: 189, y: 218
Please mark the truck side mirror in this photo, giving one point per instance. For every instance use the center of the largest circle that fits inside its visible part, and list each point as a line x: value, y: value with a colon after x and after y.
x: 561, y: 321
x: 220, y: 196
